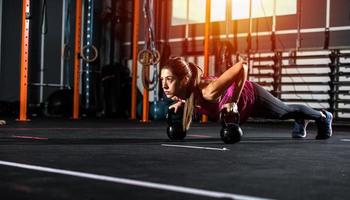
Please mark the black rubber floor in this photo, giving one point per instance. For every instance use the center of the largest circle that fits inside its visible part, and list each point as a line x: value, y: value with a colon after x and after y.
x: 111, y: 159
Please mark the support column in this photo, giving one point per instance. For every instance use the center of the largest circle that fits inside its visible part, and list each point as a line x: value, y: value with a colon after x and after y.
x: 76, y: 98
x: 134, y: 59
x: 24, y: 61
x: 206, y: 46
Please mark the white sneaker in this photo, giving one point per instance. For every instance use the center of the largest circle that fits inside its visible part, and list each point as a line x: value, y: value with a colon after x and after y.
x: 299, y: 128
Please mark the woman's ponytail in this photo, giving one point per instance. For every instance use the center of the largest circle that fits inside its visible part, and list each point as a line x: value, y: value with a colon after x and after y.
x: 189, y: 104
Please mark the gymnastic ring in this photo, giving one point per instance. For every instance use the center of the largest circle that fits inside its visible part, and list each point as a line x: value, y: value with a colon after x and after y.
x: 148, y: 57
x: 89, y: 59
x: 66, y: 52
x: 156, y: 57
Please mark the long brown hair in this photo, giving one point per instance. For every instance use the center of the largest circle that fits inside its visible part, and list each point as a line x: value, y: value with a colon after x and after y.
x: 181, y: 69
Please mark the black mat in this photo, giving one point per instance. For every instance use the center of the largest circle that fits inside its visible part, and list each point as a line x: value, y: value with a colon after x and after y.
x: 267, y: 163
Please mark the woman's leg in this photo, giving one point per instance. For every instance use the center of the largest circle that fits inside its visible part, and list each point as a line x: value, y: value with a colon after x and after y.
x: 270, y: 107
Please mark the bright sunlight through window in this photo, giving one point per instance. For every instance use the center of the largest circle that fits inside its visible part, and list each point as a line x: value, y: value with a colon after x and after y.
x: 193, y: 11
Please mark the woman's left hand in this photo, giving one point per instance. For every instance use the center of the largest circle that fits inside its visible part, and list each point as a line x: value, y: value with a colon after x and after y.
x: 243, y: 59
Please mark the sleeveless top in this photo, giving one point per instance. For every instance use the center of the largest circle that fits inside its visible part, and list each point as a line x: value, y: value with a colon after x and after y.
x: 245, y: 103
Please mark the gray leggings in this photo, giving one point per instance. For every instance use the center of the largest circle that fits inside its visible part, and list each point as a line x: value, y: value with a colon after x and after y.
x: 269, y: 107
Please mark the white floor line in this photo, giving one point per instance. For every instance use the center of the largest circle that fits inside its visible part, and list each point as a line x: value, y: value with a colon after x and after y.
x: 94, y: 128
x: 196, y: 147
x: 345, y: 140
x: 152, y: 185
x: 199, y: 136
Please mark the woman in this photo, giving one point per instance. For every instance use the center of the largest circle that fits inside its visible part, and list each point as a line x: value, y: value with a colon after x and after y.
x: 232, y: 91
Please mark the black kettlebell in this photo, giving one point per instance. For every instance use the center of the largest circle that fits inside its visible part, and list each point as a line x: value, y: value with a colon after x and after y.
x: 175, y: 130
x: 230, y: 132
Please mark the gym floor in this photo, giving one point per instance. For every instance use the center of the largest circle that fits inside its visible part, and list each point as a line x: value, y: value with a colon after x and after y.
x: 118, y: 159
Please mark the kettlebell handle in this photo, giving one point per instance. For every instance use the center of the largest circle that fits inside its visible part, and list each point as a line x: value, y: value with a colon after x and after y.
x: 229, y: 118
x: 169, y: 115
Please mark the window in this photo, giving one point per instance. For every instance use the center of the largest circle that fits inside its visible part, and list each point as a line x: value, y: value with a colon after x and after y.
x: 286, y: 7
x: 240, y: 9
x: 196, y: 11
x: 193, y: 11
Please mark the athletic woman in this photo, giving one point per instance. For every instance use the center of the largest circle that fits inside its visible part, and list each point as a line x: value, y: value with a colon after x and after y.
x: 182, y: 82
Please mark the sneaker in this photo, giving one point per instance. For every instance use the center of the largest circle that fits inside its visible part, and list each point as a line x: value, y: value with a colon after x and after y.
x: 299, y: 128
x: 324, y: 126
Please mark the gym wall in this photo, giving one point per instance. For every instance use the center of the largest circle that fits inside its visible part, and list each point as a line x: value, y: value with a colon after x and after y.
x: 10, y: 50
x: 313, y: 23
x: 11, y: 46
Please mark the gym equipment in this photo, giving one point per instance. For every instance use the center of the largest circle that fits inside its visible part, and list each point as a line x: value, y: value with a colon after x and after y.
x: 230, y: 132
x: 224, y: 49
x: 44, y: 29
x: 59, y: 103
x: 223, y: 59
x: 24, y: 60
x: 147, y: 57
x: 333, y: 91
x: 66, y: 54
x: 175, y: 130
x: 158, y: 110
x: 88, y: 54
x: 115, y: 89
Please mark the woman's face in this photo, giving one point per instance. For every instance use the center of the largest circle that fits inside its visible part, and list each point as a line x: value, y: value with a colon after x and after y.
x: 171, y: 85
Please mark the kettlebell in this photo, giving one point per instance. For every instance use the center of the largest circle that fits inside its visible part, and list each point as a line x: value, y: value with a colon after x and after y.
x: 230, y: 132
x: 175, y: 130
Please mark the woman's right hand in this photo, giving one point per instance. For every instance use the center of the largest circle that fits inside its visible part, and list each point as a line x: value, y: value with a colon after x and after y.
x: 176, y: 106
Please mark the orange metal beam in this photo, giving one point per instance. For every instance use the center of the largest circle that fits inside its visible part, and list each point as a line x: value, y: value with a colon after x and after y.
x: 145, y: 103
x: 206, y: 46
x: 76, y: 99
x: 206, y: 38
x: 134, y: 59
x: 24, y: 61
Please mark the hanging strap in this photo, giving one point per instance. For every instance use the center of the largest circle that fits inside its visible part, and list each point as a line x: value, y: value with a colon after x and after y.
x: 67, y: 51
x: 149, y: 55
x: 43, y: 23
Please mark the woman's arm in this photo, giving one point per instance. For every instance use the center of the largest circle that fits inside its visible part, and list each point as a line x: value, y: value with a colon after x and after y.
x: 242, y: 78
x: 236, y: 74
